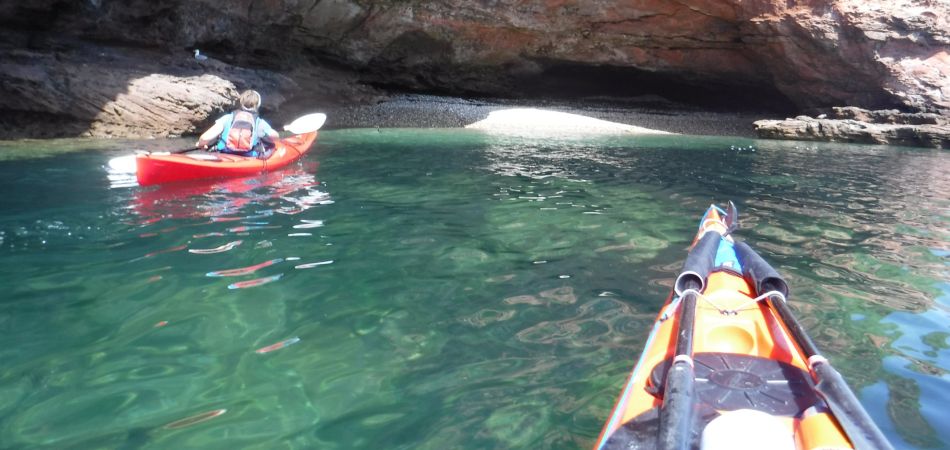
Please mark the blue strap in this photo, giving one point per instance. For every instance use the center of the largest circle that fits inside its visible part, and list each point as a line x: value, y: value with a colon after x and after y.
x: 223, y: 138
x: 257, y: 129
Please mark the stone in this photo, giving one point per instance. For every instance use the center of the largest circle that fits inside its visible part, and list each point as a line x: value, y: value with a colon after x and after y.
x: 855, y: 125
x: 127, y: 68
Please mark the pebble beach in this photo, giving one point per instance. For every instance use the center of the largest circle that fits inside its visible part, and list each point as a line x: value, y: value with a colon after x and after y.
x: 651, y: 115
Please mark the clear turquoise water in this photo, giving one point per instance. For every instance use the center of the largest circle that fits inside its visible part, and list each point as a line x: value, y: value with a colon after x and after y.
x: 484, y: 292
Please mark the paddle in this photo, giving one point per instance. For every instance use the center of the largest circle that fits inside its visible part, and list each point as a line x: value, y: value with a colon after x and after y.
x: 162, y: 152
x: 676, y: 414
x: 854, y: 419
x: 301, y: 125
x: 306, y: 124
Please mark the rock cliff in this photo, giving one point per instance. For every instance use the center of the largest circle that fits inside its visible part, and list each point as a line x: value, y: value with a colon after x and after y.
x: 97, y: 67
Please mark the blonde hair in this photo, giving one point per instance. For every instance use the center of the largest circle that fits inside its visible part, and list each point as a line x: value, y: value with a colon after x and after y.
x: 250, y: 100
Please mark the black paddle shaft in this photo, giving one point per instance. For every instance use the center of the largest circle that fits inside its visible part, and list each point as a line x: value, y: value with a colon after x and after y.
x: 676, y: 414
x: 854, y: 419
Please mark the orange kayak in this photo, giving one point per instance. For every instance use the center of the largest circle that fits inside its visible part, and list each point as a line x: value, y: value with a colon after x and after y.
x: 727, y: 366
x: 156, y: 168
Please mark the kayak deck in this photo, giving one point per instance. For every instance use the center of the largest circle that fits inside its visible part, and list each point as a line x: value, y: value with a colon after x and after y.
x: 743, y: 360
x: 751, y: 384
x: 157, y: 168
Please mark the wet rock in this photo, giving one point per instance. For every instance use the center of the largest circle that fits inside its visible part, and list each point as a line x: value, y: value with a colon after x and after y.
x: 856, y: 125
x: 887, y: 116
x: 878, y: 54
x: 108, y: 91
x: 74, y: 88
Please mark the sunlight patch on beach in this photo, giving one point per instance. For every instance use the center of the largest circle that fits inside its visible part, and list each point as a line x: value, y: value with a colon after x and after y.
x: 532, y: 120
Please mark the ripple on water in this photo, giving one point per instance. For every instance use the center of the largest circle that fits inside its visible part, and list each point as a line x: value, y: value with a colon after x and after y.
x: 487, y: 316
x: 433, y: 329
x: 520, y: 425
x: 524, y: 299
x: 592, y: 325
x: 780, y: 234
x: 563, y: 295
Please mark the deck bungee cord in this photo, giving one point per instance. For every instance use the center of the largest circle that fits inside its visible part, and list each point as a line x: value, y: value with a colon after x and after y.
x: 727, y: 366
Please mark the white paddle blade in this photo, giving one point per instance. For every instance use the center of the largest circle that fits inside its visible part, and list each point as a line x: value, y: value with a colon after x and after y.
x: 306, y: 124
x: 123, y: 164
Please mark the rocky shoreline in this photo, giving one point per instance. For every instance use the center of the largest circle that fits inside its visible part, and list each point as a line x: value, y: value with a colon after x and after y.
x: 78, y: 69
x: 639, y: 115
x: 89, y: 90
x: 856, y: 125
x: 75, y: 88
x: 645, y: 115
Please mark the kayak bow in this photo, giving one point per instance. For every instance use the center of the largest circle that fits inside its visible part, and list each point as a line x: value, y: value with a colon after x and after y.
x: 727, y: 366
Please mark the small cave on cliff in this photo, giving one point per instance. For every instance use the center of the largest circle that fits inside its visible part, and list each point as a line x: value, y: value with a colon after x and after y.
x: 554, y: 81
x: 626, y: 84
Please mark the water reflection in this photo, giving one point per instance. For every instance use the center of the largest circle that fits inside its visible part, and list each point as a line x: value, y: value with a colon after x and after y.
x: 289, y: 191
x: 464, y: 291
x: 860, y: 232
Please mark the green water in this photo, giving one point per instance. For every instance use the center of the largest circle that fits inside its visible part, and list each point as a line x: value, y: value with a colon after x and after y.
x: 475, y: 292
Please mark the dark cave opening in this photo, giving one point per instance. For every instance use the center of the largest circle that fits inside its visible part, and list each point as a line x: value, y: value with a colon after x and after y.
x: 597, y: 84
x: 631, y: 85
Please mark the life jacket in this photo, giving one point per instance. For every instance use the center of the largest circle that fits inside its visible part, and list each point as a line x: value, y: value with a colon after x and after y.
x: 240, y: 134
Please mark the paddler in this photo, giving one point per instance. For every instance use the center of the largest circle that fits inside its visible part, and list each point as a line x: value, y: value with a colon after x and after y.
x: 241, y: 132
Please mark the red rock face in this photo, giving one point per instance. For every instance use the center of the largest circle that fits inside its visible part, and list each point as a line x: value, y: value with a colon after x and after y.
x: 807, y: 53
x: 878, y: 53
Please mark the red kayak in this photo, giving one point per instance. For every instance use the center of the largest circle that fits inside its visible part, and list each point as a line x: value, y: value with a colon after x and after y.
x: 157, y: 168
